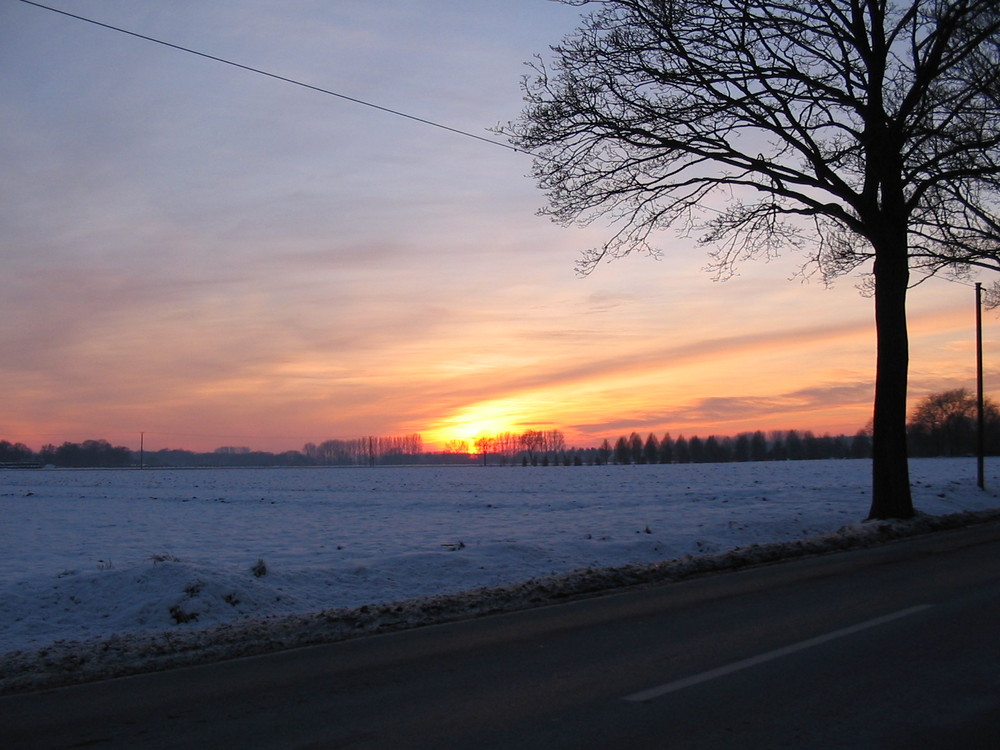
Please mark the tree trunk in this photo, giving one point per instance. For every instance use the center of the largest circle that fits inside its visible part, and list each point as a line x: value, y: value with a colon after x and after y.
x: 890, y: 471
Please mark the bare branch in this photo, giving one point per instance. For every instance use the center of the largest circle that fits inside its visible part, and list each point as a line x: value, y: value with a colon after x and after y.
x: 656, y: 112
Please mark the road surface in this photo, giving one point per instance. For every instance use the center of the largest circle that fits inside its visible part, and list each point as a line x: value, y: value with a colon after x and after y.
x: 892, y: 647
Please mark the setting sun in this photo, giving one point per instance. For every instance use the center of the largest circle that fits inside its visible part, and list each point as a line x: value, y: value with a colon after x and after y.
x: 479, y: 420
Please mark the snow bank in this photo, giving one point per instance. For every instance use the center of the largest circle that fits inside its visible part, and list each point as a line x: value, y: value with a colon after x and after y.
x: 114, y: 572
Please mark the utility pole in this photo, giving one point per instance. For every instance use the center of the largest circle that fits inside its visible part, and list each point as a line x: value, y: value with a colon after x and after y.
x: 980, y: 412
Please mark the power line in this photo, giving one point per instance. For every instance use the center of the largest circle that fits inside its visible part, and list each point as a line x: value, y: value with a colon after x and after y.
x: 276, y: 77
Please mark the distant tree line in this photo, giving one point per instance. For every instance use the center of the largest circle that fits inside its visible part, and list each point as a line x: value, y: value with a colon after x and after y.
x: 942, y: 424
x: 946, y: 424
x: 365, y: 450
x: 777, y: 445
x: 15, y: 453
x: 86, y: 454
x: 530, y: 447
x: 548, y: 448
x: 381, y: 450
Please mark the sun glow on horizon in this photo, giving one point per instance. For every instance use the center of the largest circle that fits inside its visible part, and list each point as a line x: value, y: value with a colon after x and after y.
x: 484, y: 419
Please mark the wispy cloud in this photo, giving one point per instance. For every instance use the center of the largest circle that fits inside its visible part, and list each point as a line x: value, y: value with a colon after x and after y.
x: 194, y: 251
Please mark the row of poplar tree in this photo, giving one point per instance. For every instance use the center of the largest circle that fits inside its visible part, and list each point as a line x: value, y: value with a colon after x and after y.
x: 778, y: 445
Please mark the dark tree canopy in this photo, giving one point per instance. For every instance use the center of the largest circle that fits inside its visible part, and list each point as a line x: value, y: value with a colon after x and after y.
x: 854, y: 130
x: 946, y: 424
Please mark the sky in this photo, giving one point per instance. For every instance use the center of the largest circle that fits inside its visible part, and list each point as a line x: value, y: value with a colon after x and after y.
x: 205, y: 256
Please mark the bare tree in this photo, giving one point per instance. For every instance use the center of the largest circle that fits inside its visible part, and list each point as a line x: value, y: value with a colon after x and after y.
x: 555, y: 441
x: 533, y: 442
x: 604, y: 453
x: 456, y: 446
x: 856, y: 130
x: 506, y: 445
x: 484, y: 446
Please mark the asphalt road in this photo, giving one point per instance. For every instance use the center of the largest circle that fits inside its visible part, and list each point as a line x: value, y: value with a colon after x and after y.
x: 893, y: 647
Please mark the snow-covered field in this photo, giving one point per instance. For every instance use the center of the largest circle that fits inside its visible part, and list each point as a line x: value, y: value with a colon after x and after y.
x: 161, y: 553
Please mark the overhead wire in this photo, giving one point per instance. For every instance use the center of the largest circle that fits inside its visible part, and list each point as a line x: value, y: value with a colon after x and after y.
x: 277, y: 77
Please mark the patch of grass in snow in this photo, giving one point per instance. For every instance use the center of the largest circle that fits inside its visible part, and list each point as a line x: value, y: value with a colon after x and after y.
x: 164, y: 558
x: 192, y: 590
x: 182, y: 616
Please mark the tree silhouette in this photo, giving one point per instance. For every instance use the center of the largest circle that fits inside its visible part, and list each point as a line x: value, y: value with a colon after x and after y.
x: 14, y: 452
x: 682, y: 451
x: 741, y: 447
x: 857, y: 130
x: 667, y: 449
x: 794, y: 448
x: 623, y: 455
x: 604, y: 452
x: 635, y: 448
x: 945, y: 424
x: 651, y: 450
x: 696, y: 450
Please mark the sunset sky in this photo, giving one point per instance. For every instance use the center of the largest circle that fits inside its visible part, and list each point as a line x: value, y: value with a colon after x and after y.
x: 211, y: 257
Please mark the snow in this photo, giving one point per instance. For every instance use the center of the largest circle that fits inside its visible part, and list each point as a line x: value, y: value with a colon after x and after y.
x: 112, y: 571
